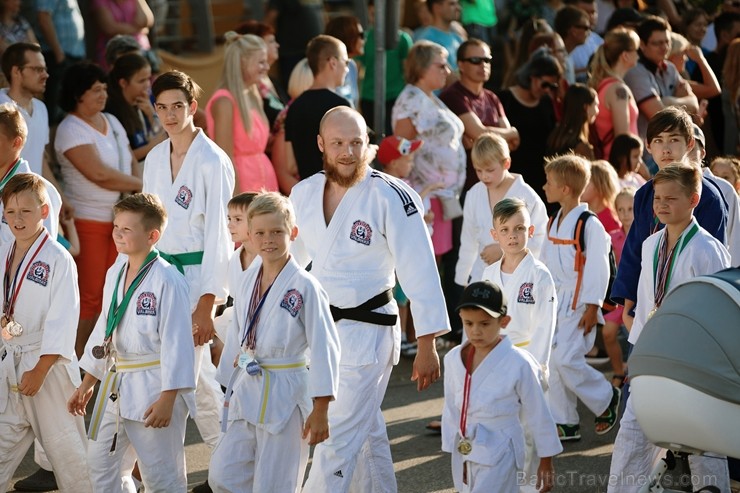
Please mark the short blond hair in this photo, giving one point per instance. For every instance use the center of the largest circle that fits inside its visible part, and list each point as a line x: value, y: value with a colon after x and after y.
x: 148, y: 206
x: 489, y: 147
x: 420, y: 58
x: 571, y: 170
x: 272, y: 203
x: 26, y: 182
x: 605, y: 180
x: 686, y: 175
x: 12, y: 123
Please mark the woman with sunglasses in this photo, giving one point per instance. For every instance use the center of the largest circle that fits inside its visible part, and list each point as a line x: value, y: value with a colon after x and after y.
x: 347, y: 29
x: 529, y: 108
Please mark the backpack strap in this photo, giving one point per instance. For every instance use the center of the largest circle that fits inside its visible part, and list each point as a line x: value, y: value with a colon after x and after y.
x: 579, y: 242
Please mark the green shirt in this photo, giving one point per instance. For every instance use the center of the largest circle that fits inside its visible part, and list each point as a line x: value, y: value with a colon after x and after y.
x: 481, y: 12
x: 394, y: 79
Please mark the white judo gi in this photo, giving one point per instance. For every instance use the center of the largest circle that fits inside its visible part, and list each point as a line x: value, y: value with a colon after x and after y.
x: 571, y: 378
x: 48, y: 308
x: 478, y: 221
x: 196, y: 203
x: 154, y: 335
x: 51, y: 223
x: 504, y: 387
x: 267, y: 411
x: 377, y: 231
x: 634, y: 455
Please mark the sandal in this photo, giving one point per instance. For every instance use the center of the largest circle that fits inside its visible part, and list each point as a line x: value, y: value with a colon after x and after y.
x: 569, y: 433
x: 620, y: 381
x: 611, y: 415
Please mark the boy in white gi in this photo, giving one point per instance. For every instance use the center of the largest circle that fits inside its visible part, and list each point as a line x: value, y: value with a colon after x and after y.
x: 38, y: 365
x: 489, y: 384
x: 195, y: 180
x: 527, y: 282
x: 579, y: 302
x: 491, y: 160
x: 681, y: 251
x: 281, y: 311
x: 141, y: 349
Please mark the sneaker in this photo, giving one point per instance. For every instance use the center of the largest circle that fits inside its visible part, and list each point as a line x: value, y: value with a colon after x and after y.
x: 569, y: 433
x: 41, y: 480
x: 203, y: 488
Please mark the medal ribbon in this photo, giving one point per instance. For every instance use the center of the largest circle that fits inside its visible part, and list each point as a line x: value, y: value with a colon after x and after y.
x: 9, y: 174
x: 250, y: 334
x: 664, y: 262
x: 466, y: 391
x: 12, y: 290
x: 116, y: 311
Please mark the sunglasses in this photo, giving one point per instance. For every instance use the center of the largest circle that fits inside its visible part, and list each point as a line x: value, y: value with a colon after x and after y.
x: 477, y: 60
x: 551, y: 86
x: 361, y: 34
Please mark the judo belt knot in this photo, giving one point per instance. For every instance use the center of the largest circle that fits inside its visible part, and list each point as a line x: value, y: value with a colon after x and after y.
x: 365, y: 313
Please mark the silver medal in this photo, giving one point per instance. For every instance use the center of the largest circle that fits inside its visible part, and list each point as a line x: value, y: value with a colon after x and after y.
x: 14, y: 328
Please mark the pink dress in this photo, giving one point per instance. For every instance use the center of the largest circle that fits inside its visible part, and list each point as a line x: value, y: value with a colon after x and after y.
x: 618, y: 238
x: 604, y: 125
x: 123, y: 11
x: 254, y: 170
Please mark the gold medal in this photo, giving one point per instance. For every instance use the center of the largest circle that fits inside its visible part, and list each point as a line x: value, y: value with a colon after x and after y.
x: 99, y: 352
x: 464, y: 446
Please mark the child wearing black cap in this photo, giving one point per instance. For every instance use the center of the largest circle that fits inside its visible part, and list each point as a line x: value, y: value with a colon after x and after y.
x: 489, y: 384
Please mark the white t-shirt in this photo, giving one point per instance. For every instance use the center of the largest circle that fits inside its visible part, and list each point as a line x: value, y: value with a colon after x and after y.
x: 90, y: 200
x: 38, y: 131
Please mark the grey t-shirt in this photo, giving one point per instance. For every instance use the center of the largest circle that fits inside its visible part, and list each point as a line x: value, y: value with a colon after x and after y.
x: 646, y: 84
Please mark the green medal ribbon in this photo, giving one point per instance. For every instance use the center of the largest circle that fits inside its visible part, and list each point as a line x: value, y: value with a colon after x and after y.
x: 9, y: 174
x: 660, y: 285
x: 116, y: 311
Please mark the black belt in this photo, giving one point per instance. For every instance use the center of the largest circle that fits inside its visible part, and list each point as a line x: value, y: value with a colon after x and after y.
x: 364, y: 313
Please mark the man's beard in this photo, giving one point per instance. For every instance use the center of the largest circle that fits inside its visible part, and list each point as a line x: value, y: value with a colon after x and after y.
x: 333, y: 175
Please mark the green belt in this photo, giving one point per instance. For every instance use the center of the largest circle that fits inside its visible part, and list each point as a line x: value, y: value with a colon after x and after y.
x: 180, y: 260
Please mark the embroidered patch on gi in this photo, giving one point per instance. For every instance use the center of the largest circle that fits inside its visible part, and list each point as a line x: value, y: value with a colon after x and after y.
x: 184, y: 196
x: 361, y: 232
x: 39, y: 273
x: 292, y: 301
x: 525, y: 293
x: 146, y: 304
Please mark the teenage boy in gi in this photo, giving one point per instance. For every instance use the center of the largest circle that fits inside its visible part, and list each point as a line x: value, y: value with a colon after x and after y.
x: 489, y: 386
x: 681, y: 251
x: 38, y: 365
x: 141, y: 350
x: 280, y: 312
x: 579, y: 302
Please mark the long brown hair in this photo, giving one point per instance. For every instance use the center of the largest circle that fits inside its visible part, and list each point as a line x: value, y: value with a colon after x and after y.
x: 573, y: 127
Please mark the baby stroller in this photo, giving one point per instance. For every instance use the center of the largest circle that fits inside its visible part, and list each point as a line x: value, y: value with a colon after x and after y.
x: 685, y: 373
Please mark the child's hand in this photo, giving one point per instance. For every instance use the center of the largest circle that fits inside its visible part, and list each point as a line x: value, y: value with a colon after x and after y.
x: 588, y: 320
x: 317, y: 423
x: 491, y: 253
x: 31, y: 381
x: 429, y: 217
x: 159, y: 414
x: 77, y: 404
x: 545, y: 475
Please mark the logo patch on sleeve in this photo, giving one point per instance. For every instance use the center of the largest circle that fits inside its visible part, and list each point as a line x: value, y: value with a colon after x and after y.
x: 292, y: 301
x: 184, y: 196
x: 146, y: 304
x: 525, y: 293
x: 39, y: 273
x: 361, y: 232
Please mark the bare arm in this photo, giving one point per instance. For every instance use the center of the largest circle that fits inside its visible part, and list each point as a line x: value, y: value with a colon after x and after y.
x: 144, y: 15
x: 618, y: 101
x: 405, y: 128
x: 109, y: 26
x: 474, y: 127
x: 710, y: 87
x: 651, y: 106
x: 50, y: 35
x: 283, y: 160
x: 87, y: 161
x: 683, y: 96
x: 669, y: 8
x: 223, y: 117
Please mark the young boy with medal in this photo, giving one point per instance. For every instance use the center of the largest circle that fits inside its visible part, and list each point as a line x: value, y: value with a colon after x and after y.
x: 38, y: 365
x: 490, y: 386
x: 681, y: 251
x: 280, y: 312
x: 141, y: 349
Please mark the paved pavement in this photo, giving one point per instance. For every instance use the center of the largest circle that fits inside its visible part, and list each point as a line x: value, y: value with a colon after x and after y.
x: 421, y: 466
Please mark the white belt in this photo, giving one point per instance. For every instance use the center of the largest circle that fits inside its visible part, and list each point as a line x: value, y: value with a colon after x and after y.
x: 124, y: 363
x: 268, y: 366
x: 13, y: 348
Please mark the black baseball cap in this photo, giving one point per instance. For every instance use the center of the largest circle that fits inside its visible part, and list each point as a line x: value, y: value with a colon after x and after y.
x: 486, y: 296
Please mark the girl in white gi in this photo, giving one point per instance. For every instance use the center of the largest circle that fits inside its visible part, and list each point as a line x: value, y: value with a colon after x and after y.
x: 491, y: 160
x: 280, y: 312
x: 141, y: 349
x: 579, y: 302
x: 38, y: 365
x: 489, y: 384
x: 681, y: 251
x: 195, y: 180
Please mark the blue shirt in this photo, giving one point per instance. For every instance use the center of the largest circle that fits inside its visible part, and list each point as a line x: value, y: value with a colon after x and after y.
x: 711, y: 213
x: 68, y: 23
x: 451, y: 41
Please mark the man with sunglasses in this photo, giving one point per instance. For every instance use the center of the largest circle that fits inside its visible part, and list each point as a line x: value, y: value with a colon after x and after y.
x: 581, y: 54
x: 574, y: 26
